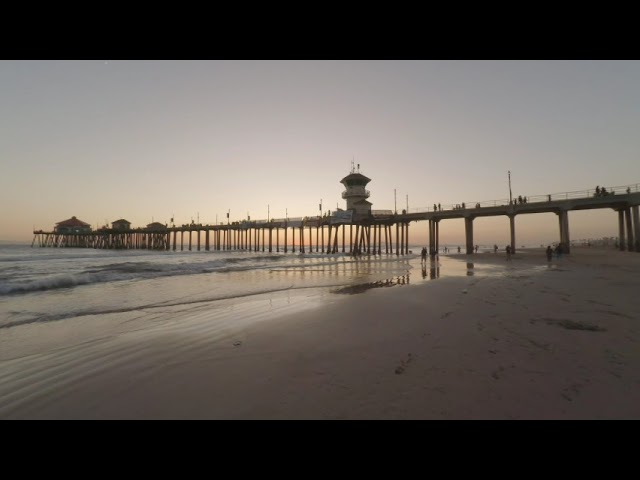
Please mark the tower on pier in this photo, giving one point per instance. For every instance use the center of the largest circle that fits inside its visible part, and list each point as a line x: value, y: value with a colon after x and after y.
x: 355, y: 194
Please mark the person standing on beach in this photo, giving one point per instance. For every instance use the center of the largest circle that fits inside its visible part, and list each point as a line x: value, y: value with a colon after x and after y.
x: 549, y: 253
x: 508, y: 249
x: 424, y: 254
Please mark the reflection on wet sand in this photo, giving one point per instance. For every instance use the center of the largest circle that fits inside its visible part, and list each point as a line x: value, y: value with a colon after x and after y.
x: 434, y: 269
x: 363, y: 287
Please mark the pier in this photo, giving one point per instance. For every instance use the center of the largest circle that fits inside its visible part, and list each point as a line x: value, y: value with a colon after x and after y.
x: 356, y: 230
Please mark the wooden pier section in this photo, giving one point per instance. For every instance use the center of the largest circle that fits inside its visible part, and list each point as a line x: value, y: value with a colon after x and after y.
x: 380, y: 232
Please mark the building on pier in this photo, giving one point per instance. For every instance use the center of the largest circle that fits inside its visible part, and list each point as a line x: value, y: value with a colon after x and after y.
x: 156, y: 226
x: 121, y: 225
x: 355, y: 194
x: 72, y: 225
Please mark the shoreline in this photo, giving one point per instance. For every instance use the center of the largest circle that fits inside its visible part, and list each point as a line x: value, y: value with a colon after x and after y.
x: 528, y: 341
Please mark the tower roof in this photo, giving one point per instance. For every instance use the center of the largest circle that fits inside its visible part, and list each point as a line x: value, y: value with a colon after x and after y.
x: 355, y: 178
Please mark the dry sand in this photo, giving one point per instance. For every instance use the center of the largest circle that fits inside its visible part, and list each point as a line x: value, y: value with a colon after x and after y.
x: 535, y: 341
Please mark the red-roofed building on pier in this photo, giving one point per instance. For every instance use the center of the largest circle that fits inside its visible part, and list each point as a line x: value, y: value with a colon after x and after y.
x: 72, y: 225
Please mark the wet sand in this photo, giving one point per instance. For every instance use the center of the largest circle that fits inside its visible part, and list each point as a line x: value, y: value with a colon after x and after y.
x: 531, y: 340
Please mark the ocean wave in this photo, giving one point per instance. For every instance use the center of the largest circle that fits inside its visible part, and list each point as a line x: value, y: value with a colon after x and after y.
x: 45, y: 318
x: 122, y: 271
x: 174, y: 266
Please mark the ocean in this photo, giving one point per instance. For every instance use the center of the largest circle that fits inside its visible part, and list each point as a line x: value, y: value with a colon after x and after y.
x: 67, y: 315
x: 39, y: 285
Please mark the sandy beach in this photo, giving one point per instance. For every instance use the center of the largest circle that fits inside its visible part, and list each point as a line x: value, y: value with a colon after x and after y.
x: 510, y: 340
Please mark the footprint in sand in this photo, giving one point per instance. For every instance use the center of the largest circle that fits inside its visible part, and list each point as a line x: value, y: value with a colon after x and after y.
x: 403, y: 364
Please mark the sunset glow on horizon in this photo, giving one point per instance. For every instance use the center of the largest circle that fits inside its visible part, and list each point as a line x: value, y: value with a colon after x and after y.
x: 154, y: 140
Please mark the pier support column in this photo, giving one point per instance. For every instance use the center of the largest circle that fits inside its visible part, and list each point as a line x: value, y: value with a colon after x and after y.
x: 406, y: 239
x: 285, y: 237
x: 386, y: 239
x: 630, y: 243
x: 636, y: 225
x: 621, y: 242
x: 468, y: 229
x: 436, y: 238
x: 293, y: 239
x: 565, y: 239
x: 344, y: 226
x: 397, y: 238
x: 301, y: 238
x: 206, y: 241
x: 373, y: 227
x: 431, y: 237
x: 512, y: 225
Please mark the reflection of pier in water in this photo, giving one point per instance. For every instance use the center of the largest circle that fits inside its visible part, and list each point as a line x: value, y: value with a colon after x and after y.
x: 363, y: 287
x: 469, y: 269
x: 434, y: 269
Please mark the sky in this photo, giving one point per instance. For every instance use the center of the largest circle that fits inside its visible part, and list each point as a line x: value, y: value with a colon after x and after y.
x: 151, y: 140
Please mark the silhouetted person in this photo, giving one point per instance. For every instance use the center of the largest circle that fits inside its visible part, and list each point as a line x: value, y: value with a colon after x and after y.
x: 597, y: 190
x: 549, y: 253
x: 476, y: 248
x: 508, y: 249
x: 458, y: 249
x: 495, y: 248
x: 424, y: 254
x: 628, y: 189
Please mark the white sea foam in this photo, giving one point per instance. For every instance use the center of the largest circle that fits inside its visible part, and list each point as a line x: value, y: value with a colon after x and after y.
x: 39, y: 285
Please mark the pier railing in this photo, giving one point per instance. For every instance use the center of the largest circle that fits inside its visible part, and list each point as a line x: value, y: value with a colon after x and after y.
x: 577, y: 194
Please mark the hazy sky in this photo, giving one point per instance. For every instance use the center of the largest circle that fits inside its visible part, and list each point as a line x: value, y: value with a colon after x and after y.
x: 144, y: 140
